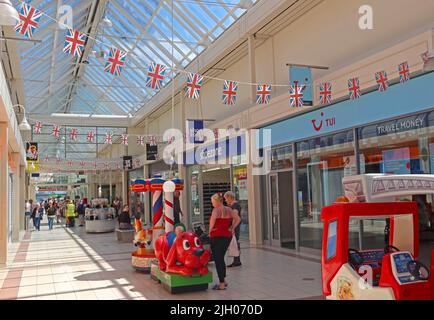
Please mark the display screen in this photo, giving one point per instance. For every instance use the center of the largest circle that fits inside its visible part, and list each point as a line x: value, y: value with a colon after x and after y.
x: 401, y: 260
x: 331, y: 239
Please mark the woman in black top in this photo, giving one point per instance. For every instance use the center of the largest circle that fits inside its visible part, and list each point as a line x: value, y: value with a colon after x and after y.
x: 125, y: 219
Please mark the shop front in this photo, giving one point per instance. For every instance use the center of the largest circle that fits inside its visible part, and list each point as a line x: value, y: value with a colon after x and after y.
x: 382, y: 132
x: 217, y: 168
x: 137, y: 199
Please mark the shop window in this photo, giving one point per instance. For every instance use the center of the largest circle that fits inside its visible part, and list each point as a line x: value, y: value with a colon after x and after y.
x: 321, y: 168
x: 281, y: 158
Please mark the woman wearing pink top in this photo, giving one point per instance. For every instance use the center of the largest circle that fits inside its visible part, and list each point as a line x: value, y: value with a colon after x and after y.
x: 222, y: 227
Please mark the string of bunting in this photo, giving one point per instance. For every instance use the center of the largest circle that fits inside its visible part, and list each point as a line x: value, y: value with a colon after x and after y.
x: 156, y: 73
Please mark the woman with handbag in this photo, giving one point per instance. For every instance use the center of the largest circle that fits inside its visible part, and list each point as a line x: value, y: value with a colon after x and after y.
x: 222, y: 228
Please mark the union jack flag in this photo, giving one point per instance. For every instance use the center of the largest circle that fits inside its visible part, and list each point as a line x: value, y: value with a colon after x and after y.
x: 325, y: 93
x: 94, y: 164
x: 140, y: 140
x: 74, y: 42
x: 152, y: 140
x: 70, y: 163
x: 29, y: 20
x: 194, y: 85
x: 354, y: 88
x: 90, y: 136
x: 108, y: 138
x: 137, y: 162
x: 230, y: 92
x: 263, y: 94
x: 115, y: 62
x: 73, y: 134
x: 118, y: 166
x: 56, y: 130
x: 382, y: 80
x: 296, y: 95
x: 46, y: 158
x: 38, y: 127
x: 82, y: 164
x: 171, y: 139
x: 156, y: 74
x: 124, y: 139
x: 404, y: 72
x: 107, y: 166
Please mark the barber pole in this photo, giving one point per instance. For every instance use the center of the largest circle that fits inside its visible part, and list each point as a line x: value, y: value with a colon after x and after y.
x: 168, y: 187
x: 156, y: 187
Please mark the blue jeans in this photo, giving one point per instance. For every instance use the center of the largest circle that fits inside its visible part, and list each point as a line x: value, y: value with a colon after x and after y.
x: 37, y: 223
x: 50, y: 223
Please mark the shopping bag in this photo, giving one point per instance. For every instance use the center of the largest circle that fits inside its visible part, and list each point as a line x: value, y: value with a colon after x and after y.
x: 233, y: 248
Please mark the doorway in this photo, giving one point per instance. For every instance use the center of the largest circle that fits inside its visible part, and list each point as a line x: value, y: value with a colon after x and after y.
x: 281, y: 210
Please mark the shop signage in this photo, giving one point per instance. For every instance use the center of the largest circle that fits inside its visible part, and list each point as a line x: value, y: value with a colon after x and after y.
x: 401, y: 125
x: 412, y: 97
x: 193, y: 127
x: 52, y: 189
x: 128, y: 162
x: 151, y: 152
x: 217, y: 152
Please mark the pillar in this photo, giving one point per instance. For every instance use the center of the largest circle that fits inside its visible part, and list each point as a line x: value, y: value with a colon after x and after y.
x: 254, y: 198
x: 4, y: 203
x: 124, y: 187
x: 17, y: 199
x: 252, y: 67
x: 23, y: 193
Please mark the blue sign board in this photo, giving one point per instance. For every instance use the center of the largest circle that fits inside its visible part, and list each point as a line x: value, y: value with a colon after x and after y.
x: 193, y: 126
x: 218, y: 151
x: 400, y: 99
x: 302, y: 75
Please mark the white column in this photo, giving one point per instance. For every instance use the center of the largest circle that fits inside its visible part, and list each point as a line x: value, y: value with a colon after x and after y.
x: 3, y: 193
x: 252, y: 67
x: 17, y: 199
x: 23, y: 194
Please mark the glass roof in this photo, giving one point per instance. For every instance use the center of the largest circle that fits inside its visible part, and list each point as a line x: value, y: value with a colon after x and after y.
x: 55, y: 82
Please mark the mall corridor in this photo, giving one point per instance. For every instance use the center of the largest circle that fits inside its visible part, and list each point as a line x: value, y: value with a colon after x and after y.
x: 69, y: 264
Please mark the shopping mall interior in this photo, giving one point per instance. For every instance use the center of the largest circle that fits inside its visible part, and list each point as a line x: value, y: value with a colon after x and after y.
x: 128, y: 128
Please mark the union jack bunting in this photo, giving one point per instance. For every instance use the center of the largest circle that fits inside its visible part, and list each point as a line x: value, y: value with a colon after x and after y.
x: 58, y: 161
x: 29, y: 20
x: 425, y: 56
x: 382, y: 80
x: 156, y: 74
x: 152, y: 140
x: 194, y: 85
x: 46, y: 158
x: 118, y: 166
x: 354, y: 88
x: 140, y: 140
x: 107, y: 166
x: 70, y: 163
x: 325, y: 93
x: 263, y: 94
x: 90, y: 136
x: 115, y: 61
x: 108, y: 138
x: 94, y: 164
x: 404, y: 72
x: 74, y: 42
x: 82, y: 164
x: 124, y: 139
x: 56, y: 131
x: 296, y: 95
x: 37, y: 127
x: 73, y: 134
x: 230, y: 92
x: 137, y: 162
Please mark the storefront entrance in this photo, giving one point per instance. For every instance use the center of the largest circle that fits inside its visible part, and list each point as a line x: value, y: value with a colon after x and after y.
x: 281, y: 210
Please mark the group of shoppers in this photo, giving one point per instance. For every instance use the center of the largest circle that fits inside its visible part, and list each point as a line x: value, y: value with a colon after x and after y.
x: 36, y: 212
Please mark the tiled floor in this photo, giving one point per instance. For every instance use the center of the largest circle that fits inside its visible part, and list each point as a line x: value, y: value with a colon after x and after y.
x: 71, y: 264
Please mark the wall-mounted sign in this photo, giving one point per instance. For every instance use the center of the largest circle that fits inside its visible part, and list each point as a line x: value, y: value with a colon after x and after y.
x: 128, y: 162
x: 193, y: 127
x: 151, y: 152
x: 401, y: 125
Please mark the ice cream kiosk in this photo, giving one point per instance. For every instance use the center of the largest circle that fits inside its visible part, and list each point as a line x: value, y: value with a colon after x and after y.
x: 392, y: 272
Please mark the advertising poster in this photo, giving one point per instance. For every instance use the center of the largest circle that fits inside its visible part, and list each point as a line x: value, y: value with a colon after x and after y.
x: 151, y: 152
x: 396, y: 161
x: 128, y: 162
x: 32, y: 151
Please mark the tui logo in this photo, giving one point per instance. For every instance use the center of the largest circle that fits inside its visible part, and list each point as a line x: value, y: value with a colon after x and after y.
x: 329, y: 122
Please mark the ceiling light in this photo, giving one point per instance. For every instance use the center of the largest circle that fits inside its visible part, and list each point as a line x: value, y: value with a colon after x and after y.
x: 8, y: 14
x: 24, y: 125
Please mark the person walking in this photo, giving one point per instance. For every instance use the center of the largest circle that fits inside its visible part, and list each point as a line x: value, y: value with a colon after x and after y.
x: 28, y: 212
x: 222, y: 226
x: 125, y: 218
x: 70, y: 214
x: 51, y: 213
x: 235, y: 206
x: 80, y: 211
x: 38, y: 216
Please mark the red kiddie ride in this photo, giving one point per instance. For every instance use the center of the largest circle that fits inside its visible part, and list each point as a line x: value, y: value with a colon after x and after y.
x: 389, y: 272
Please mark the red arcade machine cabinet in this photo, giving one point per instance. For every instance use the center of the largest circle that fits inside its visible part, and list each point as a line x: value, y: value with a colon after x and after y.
x: 393, y: 271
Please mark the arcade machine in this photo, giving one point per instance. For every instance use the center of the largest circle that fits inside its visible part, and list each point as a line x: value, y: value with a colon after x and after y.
x: 392, y: 272
x: 182, y: 260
